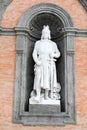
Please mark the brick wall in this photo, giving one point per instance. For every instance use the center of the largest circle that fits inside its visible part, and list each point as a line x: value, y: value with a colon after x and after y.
x: 8, y: 58
x: 17, y: 8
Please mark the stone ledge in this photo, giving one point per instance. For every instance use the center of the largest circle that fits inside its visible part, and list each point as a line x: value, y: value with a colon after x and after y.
x: 25, y: 31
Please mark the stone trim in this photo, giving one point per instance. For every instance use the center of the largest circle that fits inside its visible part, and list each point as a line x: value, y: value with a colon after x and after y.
x: 7, y: 31
x: 68, y: 114
x: 83, y: 3
x: 45, y: 8
x: 3, y: 6
x: 20, y: 116
x: 25, y: 31
x: 76, y: 32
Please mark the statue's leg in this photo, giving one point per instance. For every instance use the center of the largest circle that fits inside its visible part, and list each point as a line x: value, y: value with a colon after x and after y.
x: 37, y: 86
x: 46, y: 94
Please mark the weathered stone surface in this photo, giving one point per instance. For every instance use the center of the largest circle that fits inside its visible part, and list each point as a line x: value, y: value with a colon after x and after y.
x: 46, y: 110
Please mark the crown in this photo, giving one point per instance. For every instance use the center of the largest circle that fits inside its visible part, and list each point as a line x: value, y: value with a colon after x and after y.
x: 46, y: 29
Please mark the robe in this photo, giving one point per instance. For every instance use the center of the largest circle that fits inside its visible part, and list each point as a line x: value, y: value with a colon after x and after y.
x: 45, y: 52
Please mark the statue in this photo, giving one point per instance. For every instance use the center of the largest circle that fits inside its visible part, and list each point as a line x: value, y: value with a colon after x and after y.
x: 46, y: 88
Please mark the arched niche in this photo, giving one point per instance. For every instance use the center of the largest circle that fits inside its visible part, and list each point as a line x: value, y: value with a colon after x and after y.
x: 28, y: 32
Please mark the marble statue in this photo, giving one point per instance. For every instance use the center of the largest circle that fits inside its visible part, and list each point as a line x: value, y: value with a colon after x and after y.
x: 46, y: 88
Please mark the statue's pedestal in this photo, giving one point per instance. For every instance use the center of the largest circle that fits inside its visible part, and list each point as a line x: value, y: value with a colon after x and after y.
x: 44, y: 102
x: 44, y: 106
x: 44, y: 109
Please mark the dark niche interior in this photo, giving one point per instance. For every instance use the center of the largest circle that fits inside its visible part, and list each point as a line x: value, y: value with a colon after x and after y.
x: 35, y: 28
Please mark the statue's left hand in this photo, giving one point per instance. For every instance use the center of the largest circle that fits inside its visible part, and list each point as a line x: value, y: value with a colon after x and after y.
x: 51, y: 55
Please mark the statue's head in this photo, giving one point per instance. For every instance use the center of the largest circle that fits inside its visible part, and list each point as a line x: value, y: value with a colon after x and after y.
x: 46, y: 33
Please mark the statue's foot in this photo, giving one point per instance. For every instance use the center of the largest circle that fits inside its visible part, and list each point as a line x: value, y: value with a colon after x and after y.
x: 47, y: 98
x: 37, y: 99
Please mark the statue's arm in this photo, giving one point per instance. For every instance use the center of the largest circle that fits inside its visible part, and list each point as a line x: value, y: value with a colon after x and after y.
x: 56, y: 52
x: 35, y: 56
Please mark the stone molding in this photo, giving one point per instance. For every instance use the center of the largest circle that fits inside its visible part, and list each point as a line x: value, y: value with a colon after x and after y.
x: 83, y: 3
x: 45, y: 8
x: 28, y: 118
x: 3, y: 5
x: 68, y: 112
x: 25, y: 31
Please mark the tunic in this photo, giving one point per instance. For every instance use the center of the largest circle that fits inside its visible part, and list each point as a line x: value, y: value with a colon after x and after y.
x: 45, y: 52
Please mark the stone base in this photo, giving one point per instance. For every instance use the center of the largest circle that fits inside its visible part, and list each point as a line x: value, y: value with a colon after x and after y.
x: 44, y: 109
x: 44, y: 102
x: 44, y: 106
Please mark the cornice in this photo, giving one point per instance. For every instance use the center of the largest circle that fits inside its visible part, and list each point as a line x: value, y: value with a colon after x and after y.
x: 25, y: 31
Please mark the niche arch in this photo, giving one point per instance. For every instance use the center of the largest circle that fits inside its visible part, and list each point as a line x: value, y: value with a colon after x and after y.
x: 28, y: 31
